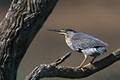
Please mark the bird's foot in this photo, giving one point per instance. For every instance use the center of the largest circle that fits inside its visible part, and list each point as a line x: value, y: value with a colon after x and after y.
x: 80, y: 68
x: 88, y: 64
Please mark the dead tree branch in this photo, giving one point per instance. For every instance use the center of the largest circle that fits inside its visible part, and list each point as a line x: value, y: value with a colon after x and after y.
x: 53, y: 70
x: 17, y: 30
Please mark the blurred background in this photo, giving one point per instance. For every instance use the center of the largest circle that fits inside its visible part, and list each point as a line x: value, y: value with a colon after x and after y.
x: 100, y: 18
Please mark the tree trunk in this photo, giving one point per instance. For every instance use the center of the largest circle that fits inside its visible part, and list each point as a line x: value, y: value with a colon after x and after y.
x: 17, y: 30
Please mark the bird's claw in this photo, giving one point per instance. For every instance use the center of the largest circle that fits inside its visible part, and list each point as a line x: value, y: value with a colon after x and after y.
x: 88, y: 64
x: 80, y: 68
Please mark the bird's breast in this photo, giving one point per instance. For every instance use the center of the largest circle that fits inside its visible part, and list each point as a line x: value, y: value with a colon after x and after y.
x: 70, y: 44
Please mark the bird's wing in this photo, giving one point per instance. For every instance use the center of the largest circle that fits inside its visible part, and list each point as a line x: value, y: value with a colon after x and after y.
x: 83, y: 41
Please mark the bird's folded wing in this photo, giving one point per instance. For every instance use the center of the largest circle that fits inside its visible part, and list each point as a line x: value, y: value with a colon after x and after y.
x: 83, y: 41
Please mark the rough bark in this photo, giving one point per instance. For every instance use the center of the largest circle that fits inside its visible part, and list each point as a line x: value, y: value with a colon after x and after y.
x: 20, y: 25
x: 53, y: 70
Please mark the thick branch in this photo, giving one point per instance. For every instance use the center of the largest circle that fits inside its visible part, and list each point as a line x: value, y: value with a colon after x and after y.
x: 50, y: 70
x: 20, y: 25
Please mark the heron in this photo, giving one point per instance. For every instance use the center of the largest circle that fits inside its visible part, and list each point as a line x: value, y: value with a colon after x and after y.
x: 83, y: 43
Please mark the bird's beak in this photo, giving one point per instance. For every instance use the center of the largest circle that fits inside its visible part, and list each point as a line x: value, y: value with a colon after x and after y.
x: 58, y: 31
x: 53, y: 30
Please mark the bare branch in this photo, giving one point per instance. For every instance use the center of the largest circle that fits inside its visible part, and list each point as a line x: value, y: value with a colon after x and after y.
x: 60, y: 60
x: 53, y: 70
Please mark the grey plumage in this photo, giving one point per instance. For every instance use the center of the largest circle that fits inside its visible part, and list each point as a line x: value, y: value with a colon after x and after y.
x: 83, y: 43
x: 80, y: 41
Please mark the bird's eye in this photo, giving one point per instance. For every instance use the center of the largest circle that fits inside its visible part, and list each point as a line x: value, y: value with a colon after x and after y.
x: 63, y: 31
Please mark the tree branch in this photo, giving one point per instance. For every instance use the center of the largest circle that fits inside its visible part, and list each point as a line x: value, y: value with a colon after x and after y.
x: 53, y: 70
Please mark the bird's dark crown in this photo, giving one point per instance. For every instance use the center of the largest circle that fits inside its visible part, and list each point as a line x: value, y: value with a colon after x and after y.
x: 69, y: 30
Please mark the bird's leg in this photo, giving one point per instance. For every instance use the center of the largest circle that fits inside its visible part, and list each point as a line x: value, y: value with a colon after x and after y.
x: 83, y: 62
x: 93, y: 59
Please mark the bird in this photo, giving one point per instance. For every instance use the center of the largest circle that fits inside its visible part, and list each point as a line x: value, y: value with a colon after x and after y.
x: 83, y: 43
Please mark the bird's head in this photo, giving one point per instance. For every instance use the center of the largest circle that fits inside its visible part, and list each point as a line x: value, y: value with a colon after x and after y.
x: 63, y: 31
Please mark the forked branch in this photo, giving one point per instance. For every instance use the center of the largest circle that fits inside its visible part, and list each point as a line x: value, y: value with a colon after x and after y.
x: 53, y: 70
